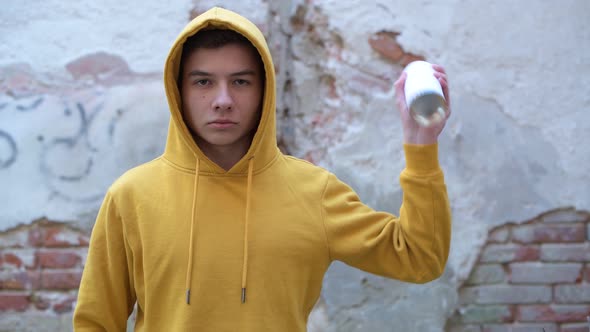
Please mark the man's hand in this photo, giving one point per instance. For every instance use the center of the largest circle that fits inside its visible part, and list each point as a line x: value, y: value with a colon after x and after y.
x: 414, y: 133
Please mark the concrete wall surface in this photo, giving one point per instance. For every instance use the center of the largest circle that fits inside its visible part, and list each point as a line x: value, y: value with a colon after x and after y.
x: 82, y: 100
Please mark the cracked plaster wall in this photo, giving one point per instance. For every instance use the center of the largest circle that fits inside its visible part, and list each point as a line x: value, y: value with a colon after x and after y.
x: 514, y: 148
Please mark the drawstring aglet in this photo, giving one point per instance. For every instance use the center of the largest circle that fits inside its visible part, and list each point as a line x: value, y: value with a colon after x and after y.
x: 188, y: 296
x: 244, y: 295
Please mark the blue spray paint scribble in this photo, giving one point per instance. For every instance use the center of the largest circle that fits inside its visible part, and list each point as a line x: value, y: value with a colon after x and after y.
x: 30, y: 107
x: 6, y: 162
x: 113, y: 123
x: 70, y: 143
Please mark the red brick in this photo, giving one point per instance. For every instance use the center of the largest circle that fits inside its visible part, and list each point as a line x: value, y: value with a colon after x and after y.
x: 566, y: 252
x: 97, y: 65
x: 363, y: 82
x: 385, y: 43
x: 65, y: 305
x: 14, y: 301
x: 60, y: 236
x: 509, y: 252
x: 464, y: 328
x: 40, y: 301
x: 12, y: 259
x: 547, y: 327
x: 534, y: 328
x: 58, y: 259
x: 487, y: 274
x: 579, y: 293
x: 505, y: 294
x: 527, y: 253
x: 496, y: 328
x: 499, y: 235
x: 16, y: 238
x: 544, y: 273
x: 59, y: 302
x: 569, y: 215
x: 549, y: 233
x: 60, y: 280
x: 17, y: 259
x: 576, y: 327
x: 477, y: 314
x: 329, y: 82
x: 20, y: 280
x: 19, y: 81
x: 553, y: 313
x: 35, y: 237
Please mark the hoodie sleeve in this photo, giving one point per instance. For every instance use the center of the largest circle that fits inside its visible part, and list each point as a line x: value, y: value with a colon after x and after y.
x: 106, y: 297
x: 413, y: 247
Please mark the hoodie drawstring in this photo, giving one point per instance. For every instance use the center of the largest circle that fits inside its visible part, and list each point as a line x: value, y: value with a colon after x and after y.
x: 189, y: 268
x: 246, y: 219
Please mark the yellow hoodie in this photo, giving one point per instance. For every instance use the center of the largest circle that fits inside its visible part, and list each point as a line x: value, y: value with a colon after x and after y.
x: 203, y: 249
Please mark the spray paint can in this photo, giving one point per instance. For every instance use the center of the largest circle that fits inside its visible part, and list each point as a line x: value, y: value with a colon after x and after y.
x: 424, y: 95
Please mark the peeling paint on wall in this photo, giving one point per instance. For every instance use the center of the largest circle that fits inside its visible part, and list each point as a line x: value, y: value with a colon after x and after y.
x: 513, y: 149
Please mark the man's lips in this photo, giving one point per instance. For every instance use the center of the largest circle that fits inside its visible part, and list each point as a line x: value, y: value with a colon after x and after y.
x: 222, y: 124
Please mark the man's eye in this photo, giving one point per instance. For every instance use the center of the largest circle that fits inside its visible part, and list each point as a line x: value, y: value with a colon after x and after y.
x: 241, y: 82
x: 202, y: 82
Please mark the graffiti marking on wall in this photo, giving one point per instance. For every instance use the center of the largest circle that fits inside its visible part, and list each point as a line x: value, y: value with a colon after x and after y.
x: 8, y: 153
x: 78, y: 148
x: 61, y: 126
x: 30, y: 107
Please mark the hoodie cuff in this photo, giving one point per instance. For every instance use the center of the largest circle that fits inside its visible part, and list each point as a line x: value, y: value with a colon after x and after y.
x: 421, y: 158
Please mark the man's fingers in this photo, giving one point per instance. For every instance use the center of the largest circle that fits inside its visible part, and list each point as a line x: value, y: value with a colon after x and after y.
x: 399, y: 84
x: 439, y: 68
x: 445, y: 87
x: 440, y: 75
x: 399, y: 88
x: 442, y: 79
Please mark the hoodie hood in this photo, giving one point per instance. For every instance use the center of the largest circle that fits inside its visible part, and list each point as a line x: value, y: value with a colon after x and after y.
x: 180, y: 146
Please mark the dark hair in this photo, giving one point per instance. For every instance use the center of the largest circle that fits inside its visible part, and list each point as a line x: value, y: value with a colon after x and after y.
x: 211, y: 39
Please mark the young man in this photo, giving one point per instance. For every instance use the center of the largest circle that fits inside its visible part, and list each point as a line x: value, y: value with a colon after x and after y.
x: 225, y: 233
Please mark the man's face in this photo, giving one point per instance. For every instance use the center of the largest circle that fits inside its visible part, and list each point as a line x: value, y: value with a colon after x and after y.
x: 221, y: 97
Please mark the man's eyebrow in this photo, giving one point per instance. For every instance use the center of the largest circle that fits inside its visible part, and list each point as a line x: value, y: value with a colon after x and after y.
x: 244, y: 72
x: 239, y: 73
x: 199, y: 73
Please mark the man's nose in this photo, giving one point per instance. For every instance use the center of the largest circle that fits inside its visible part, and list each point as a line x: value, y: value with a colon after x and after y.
x: 223, y: 100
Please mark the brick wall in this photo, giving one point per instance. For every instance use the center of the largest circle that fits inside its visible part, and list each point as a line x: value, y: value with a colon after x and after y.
x: 40, y: 270
x: 533, y: 276
x: 529, y: 277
